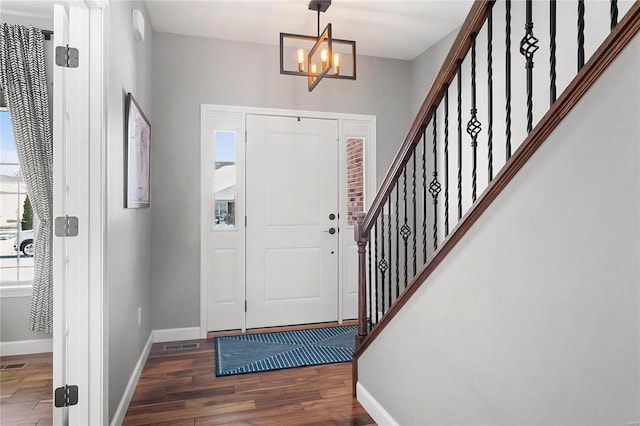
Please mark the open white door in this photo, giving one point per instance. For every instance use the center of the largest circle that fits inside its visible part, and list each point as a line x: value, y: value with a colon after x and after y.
x: 71, y: 338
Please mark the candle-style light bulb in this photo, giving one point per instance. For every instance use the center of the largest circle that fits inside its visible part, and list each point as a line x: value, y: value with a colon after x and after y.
x: 314, y: 69
x: 336, y: 63
x: 324, y: 59
x: 301, y: 55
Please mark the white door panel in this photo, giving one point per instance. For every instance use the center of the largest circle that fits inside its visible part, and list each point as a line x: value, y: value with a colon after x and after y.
x: 292, y: 275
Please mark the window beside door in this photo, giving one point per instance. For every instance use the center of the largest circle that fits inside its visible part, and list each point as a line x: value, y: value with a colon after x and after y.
x: 16, y: 214
x: 224, y: 180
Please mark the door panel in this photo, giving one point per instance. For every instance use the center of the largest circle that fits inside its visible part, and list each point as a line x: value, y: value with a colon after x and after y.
x: 292, y: 262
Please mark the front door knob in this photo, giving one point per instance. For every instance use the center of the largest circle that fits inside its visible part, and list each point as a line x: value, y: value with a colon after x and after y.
x: 331, y: 231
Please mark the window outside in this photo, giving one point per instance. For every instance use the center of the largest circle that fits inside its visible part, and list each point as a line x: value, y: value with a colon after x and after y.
x: 224, y: 180
x: 16, y: 214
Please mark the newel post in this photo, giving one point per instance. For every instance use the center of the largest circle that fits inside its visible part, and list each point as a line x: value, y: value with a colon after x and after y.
x: 362, y: 239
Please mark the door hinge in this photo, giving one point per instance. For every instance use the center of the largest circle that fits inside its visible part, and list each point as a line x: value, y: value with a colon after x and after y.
x: 66, y: 396
x: 245, y: 306
x: 66, y: 226
x: 67, y: 57
x: 245, y: 221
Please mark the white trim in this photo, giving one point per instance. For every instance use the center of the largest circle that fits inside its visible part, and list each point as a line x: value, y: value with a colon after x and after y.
x: 25, y: 347
x: 176, y: 334
x: 121, y: 411
x: 16, y: 291
x: 373, y: 407
x: 370, y: 183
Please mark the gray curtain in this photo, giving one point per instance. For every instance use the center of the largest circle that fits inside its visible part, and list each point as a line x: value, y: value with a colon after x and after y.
x: 23, y: 81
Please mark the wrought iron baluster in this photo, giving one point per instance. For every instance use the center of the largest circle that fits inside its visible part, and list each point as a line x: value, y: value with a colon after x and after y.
x: 580, y: 34
x: 397, y: 241
x: 415, y: 229
x: 552, y: 51
x: 390, y: 245
x: 474, y: 127
x: 459, y: 139
x: 375, y: 257
x: 434, y: 186
x: 528, y: 47
x: 383, y: 265
x: 405, y: 231
x: 446, y: 160
x: 614, y: 14
x: 424, y: 195
x: 507, y: 78
x: 370, y: 281
x: 490, y: 91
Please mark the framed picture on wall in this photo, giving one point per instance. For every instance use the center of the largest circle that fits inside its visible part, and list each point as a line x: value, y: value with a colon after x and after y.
x: 138, y: 158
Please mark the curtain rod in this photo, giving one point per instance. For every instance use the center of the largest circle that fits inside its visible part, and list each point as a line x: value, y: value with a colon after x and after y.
x: 47, y: 34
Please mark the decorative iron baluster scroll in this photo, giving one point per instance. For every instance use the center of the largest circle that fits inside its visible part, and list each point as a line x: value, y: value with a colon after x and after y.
x: 580, y: 34
x: 528, y: 47
x: 405, y: 231
x: 474, y: 127
x: 375, y: 257
x: 383, y: 265
x: 434, y: 186
x: 614, y: 14
x: 507, y: 77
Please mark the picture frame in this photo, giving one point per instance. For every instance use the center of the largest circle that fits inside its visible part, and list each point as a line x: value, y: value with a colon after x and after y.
x: 138, y: 155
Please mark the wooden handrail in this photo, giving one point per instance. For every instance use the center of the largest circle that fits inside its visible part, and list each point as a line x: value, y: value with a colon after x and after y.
x: 617, y: 40
x: 472, y: 24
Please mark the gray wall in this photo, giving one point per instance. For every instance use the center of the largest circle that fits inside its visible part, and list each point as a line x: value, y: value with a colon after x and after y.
x: 424, y: 69
x: 128, y: 254
x: 189, y: 71
x: 550, y: 336
x: 14, y: 311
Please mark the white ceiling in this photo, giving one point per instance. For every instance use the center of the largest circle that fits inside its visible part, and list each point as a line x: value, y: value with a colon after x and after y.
x: 399, y: 29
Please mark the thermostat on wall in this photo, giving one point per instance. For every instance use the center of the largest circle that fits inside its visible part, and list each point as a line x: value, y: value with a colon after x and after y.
x: 137, y: 22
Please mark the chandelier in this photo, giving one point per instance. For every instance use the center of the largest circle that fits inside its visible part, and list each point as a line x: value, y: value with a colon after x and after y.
x: 317, y: 57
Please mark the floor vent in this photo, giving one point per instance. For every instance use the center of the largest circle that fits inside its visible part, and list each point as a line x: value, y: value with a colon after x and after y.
x: 12, y: 366
x: 180, y: 347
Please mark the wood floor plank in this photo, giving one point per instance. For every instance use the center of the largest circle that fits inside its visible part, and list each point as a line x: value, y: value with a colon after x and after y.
x: 179, y: 388
x: 316, y: 395
x: 26, y: 393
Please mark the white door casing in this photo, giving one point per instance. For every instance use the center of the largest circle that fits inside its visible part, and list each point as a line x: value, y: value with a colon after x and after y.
x: 292, y: 258
x: 222, y: 261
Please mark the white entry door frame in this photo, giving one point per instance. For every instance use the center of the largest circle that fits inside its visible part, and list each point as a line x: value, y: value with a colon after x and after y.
x: 223, y: 248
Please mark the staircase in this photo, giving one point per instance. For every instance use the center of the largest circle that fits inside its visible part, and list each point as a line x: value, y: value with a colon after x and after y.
x: 498, y: 263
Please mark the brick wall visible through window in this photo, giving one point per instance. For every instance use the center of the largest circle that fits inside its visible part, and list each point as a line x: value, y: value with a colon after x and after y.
x: 355, y: 178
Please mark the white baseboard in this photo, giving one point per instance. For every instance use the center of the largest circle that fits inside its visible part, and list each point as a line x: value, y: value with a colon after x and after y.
x: 25, y: 347
x: 123, y: 406
x: 373, y: 407
x: 176, y: 334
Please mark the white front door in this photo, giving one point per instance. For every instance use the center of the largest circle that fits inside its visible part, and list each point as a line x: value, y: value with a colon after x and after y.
x: 292, y: 206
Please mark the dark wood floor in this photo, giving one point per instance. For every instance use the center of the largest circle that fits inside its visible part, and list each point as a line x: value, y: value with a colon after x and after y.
x: 26, y: 392
x: 180, y: 388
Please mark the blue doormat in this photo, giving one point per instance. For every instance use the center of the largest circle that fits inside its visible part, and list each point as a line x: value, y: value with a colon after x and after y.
x: 250, y: 353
